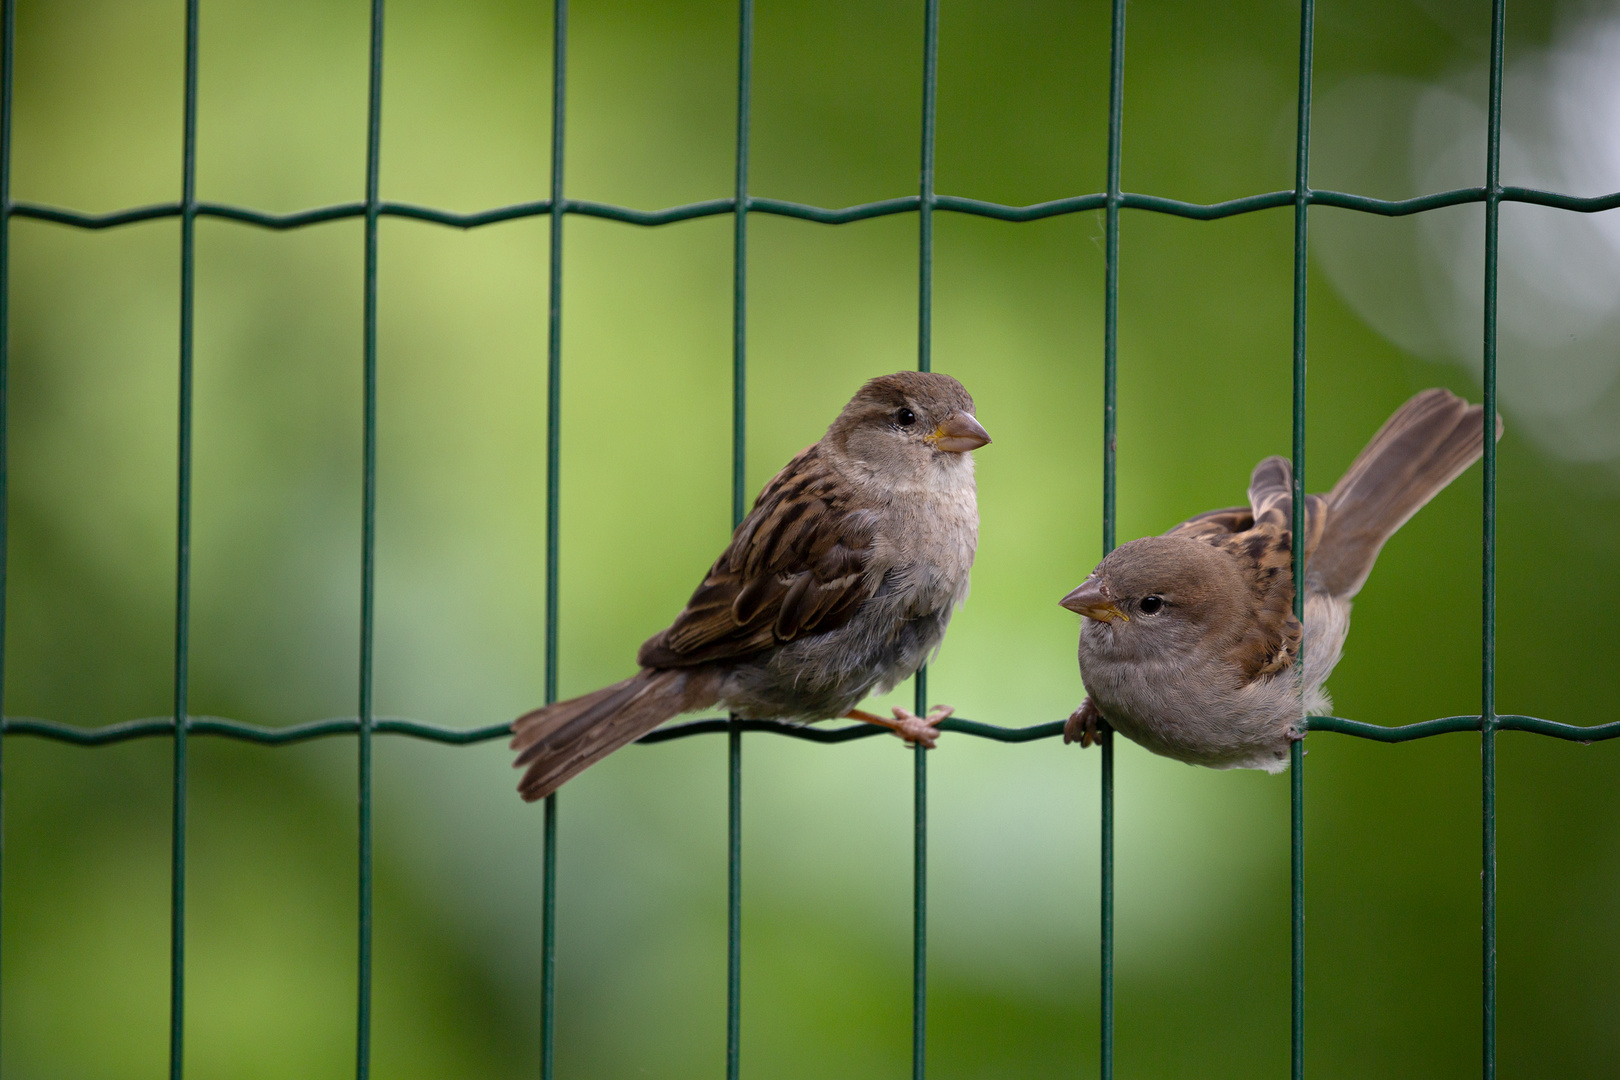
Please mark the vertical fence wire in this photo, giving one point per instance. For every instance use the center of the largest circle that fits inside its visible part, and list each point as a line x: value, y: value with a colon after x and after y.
x: 739, y: 307
x: 1487, y: 705
x: 368, y: 539
x: 548, y: 940
x: 182, y: 557
x: 925, y: 201
x: 739, y: 507
x: 734, y: 900
x: 1116, y: 136
x: 925, y: 344
x: 8, y: 27
x: 1296, y: 750
x: 548, y: 885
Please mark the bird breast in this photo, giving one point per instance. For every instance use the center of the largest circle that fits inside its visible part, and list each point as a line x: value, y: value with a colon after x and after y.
x: 926, y: 541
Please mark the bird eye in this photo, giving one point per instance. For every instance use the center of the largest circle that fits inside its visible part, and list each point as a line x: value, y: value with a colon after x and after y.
x: 905, y: 417
x: 1150, y: 605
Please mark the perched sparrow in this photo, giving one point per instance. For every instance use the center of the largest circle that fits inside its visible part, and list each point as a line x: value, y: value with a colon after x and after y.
x: 1189, y: 641
x: 839, y: 583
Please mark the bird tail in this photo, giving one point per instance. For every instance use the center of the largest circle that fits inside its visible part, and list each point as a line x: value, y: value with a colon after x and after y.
x: 560, y: 740
x: 1424, y: 446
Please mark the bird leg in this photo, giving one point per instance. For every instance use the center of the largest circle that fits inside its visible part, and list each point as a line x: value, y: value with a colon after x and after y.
x: 907, y: 725
x: 1083, y: 725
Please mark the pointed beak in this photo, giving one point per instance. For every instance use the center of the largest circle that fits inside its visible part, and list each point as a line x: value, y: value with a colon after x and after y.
x: 959, y: 432
x: 1091, y: 599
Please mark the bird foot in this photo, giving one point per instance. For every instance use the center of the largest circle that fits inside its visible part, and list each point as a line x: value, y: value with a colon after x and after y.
x: 921, y: 730
x: 1084, y: 725
x: 909, y: 726
x: 1296, y: 732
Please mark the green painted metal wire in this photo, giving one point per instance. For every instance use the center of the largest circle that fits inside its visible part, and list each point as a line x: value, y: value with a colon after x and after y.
x: 254, y: 733
x: 555, y: 206
x: 739, y: 509
x: 1296, y: 750
x: 163, y: 726
x: 734, y: 729
x: 904, y: 204
x: 1113, y: 200
x: 180, y: 726
x: 8, y: 17
x: 1488, y: 722
x: 368, y: 538
x: 925, y: 362
x: 925, y: 338
x: 182, y: 569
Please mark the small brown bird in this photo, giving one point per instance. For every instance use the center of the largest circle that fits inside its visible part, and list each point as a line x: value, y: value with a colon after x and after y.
x: 1189, y: 640
x: 839, y: 583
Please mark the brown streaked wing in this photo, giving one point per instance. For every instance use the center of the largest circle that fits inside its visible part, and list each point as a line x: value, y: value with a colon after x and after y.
x: 796, y: 565
x: 1271, y: 641
x: 1259, y: 537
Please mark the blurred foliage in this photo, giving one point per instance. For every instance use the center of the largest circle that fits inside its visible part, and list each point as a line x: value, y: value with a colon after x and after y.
x: 1392, y: 832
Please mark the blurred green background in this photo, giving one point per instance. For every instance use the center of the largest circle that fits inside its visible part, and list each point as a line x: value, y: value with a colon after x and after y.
x: 1205, y: 331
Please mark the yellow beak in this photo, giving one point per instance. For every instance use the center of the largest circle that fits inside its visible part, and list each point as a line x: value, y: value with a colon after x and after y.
x: 959, y: 432
x: 1091, y: 599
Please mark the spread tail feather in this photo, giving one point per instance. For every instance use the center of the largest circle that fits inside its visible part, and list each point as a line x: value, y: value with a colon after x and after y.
x: 1424, y: 446
x: 560, y: 740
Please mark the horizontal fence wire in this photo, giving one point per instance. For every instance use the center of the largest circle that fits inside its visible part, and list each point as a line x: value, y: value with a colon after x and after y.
x: 155, y: 726
x: 1076, y: 204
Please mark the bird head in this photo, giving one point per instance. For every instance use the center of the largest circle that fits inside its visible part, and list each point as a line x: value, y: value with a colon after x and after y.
x: 1158, y: 595
x: 909, y: 422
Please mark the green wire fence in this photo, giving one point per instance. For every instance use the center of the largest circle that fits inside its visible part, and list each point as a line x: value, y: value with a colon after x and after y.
x: 181, y: 725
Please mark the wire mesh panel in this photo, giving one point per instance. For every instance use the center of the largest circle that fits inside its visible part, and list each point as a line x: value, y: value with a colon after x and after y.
x: 180, y: 726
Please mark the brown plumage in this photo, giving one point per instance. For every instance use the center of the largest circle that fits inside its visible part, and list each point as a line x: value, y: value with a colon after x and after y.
x: 839, y: 582
x: 794, y: 566
x: 1189, y: 643
x: 561, y: 740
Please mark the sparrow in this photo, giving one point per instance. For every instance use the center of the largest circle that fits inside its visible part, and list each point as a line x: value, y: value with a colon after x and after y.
x: 1189, y: 643
x: 839, y: 583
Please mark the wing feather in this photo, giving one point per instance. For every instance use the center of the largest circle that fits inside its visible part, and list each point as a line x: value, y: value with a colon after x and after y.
x: 795, y: 565
x: 1212, y: 524
x: 1260, y: 537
